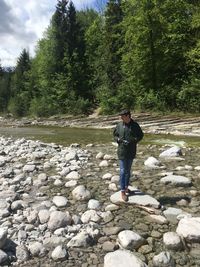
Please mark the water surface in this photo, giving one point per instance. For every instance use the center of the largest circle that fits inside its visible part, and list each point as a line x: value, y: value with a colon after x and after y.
x: 67, y: 135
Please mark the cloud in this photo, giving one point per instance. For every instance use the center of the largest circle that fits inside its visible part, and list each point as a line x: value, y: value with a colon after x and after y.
x: 22, y: 24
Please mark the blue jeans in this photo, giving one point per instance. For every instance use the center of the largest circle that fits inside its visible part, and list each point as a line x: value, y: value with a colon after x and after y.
x: 125, y: 172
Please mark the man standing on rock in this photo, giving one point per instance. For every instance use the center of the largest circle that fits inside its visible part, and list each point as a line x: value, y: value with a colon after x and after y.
x: 127, y: 134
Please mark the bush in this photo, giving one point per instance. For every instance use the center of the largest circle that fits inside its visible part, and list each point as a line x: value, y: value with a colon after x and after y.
x: 188, y: 98
x: 42, y: 107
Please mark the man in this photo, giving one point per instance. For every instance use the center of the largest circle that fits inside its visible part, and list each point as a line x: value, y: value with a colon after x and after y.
x: 127, y: 134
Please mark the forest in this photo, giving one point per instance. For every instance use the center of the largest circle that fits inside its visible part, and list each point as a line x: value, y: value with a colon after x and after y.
x: 143, y: 55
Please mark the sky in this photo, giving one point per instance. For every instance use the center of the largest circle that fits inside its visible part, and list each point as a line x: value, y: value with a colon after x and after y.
x: 22, y: 24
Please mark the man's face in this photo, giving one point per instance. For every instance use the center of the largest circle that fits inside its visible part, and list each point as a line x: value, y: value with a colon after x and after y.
x: 126, y: 118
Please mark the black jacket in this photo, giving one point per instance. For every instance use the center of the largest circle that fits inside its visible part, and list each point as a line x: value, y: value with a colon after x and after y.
x: 127, y: 136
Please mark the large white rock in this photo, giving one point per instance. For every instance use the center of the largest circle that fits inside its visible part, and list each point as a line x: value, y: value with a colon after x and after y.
x: 59, y: 254
x: 138, y: 198
x: 172, y: 241
x: 94, y: 204
x: 189, y: 228
x: 59, y: 219
x: 122, y: 258
x: 60, y: 201
x: 74, y: 175
x: 174, y: 151
x: 44, y: 215
x: 130, y: 240
x: 152, y: 163
x: 172, y: 213
x: 90, y: 215
x: 177, y: 180
x: 81, y: 193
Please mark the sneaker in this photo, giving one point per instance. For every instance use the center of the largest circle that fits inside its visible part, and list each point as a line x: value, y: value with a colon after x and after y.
x: 124, y: 196
x: 127, y: 191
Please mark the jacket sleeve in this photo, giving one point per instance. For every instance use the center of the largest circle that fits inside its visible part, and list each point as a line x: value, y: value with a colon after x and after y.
x: 139, y: 133
x: 116, y: 134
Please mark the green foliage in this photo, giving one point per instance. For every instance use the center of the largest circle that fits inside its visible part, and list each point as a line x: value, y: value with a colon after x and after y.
x: 136, y: 54
x: 189, y: 97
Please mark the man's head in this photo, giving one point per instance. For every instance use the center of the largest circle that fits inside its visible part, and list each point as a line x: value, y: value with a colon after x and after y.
x: 125, y: 115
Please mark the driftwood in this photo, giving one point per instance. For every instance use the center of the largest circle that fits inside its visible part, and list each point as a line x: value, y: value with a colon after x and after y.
x: 149, y: 210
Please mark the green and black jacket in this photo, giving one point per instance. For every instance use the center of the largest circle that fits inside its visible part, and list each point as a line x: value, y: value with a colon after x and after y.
x: 130, y: 132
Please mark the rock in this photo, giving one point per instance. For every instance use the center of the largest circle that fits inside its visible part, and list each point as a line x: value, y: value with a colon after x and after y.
x: 107, y: 176
x: 163, y: 259
x: 171, y: 214
x: 59, y: 254
x: 172, y: 241
x: 80, y: 193
x: 71, y: 156
x: 130, y: 240
x: 3, y: 237
x: 73, y: 175
x: 90, y: 215
x: 137, y: 198
x: 189, y: 228
x: 37, y: 249
x: 103, y: 163
x: 157, y: 218
x: 58, y: 219
x: 121, y: 258
x: 152, y: 163
x: 3, y: 257
x: 71, y: 183
x: 60, y: 201
x: 100, y: 155
x: 94, y: 204
x: 22, y: 253
x: 174, y: 151
x: 176, y: 180
x: 43, y: 215
x: 82, y: 239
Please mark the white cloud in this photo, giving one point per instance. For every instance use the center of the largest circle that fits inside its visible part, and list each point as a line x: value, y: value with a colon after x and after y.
x: 22, y: 24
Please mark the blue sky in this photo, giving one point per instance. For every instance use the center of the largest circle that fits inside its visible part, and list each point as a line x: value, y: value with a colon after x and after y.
x: 23, y: 22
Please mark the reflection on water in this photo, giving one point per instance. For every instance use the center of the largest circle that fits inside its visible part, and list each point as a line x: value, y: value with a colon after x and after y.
x: 67, y: 135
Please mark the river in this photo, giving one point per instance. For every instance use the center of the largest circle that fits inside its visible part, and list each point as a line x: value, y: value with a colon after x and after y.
x: 83, y: 136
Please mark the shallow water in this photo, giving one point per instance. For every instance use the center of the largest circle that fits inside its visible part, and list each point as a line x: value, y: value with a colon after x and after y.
x: 83, y: 136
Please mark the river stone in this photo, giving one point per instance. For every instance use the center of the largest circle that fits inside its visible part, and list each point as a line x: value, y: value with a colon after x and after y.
x: 123, y: 258
x: 103, y: 163
x: 138, y: 198
x: 44, y: 215
x: 189, y: 228
x: 176, y: 180
x: 174, y: 151
x: 81, y: 193
x: 22, y: 253
x: 59, y: 254
x: 152, y: 163
x: 94, y: 204
x: 172, y: 241
x: 58, y: 219
x: 3, y: 237
x: 73, y: 175
x: 130, y: 240
x: 90, y: 215
x: 60, y: 201
x: 3, y: 257
x: 163, y: 259
x: 100, y: 155
x: 29, y: 168
x: 82, y: 239
x: 107, y: 176
x: 71, y: 183
x: 71, y: 156
x: 37, y: 249
x: 171, y: 214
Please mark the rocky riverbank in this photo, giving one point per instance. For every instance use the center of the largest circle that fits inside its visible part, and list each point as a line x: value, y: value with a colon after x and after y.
x: 60, y: 206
